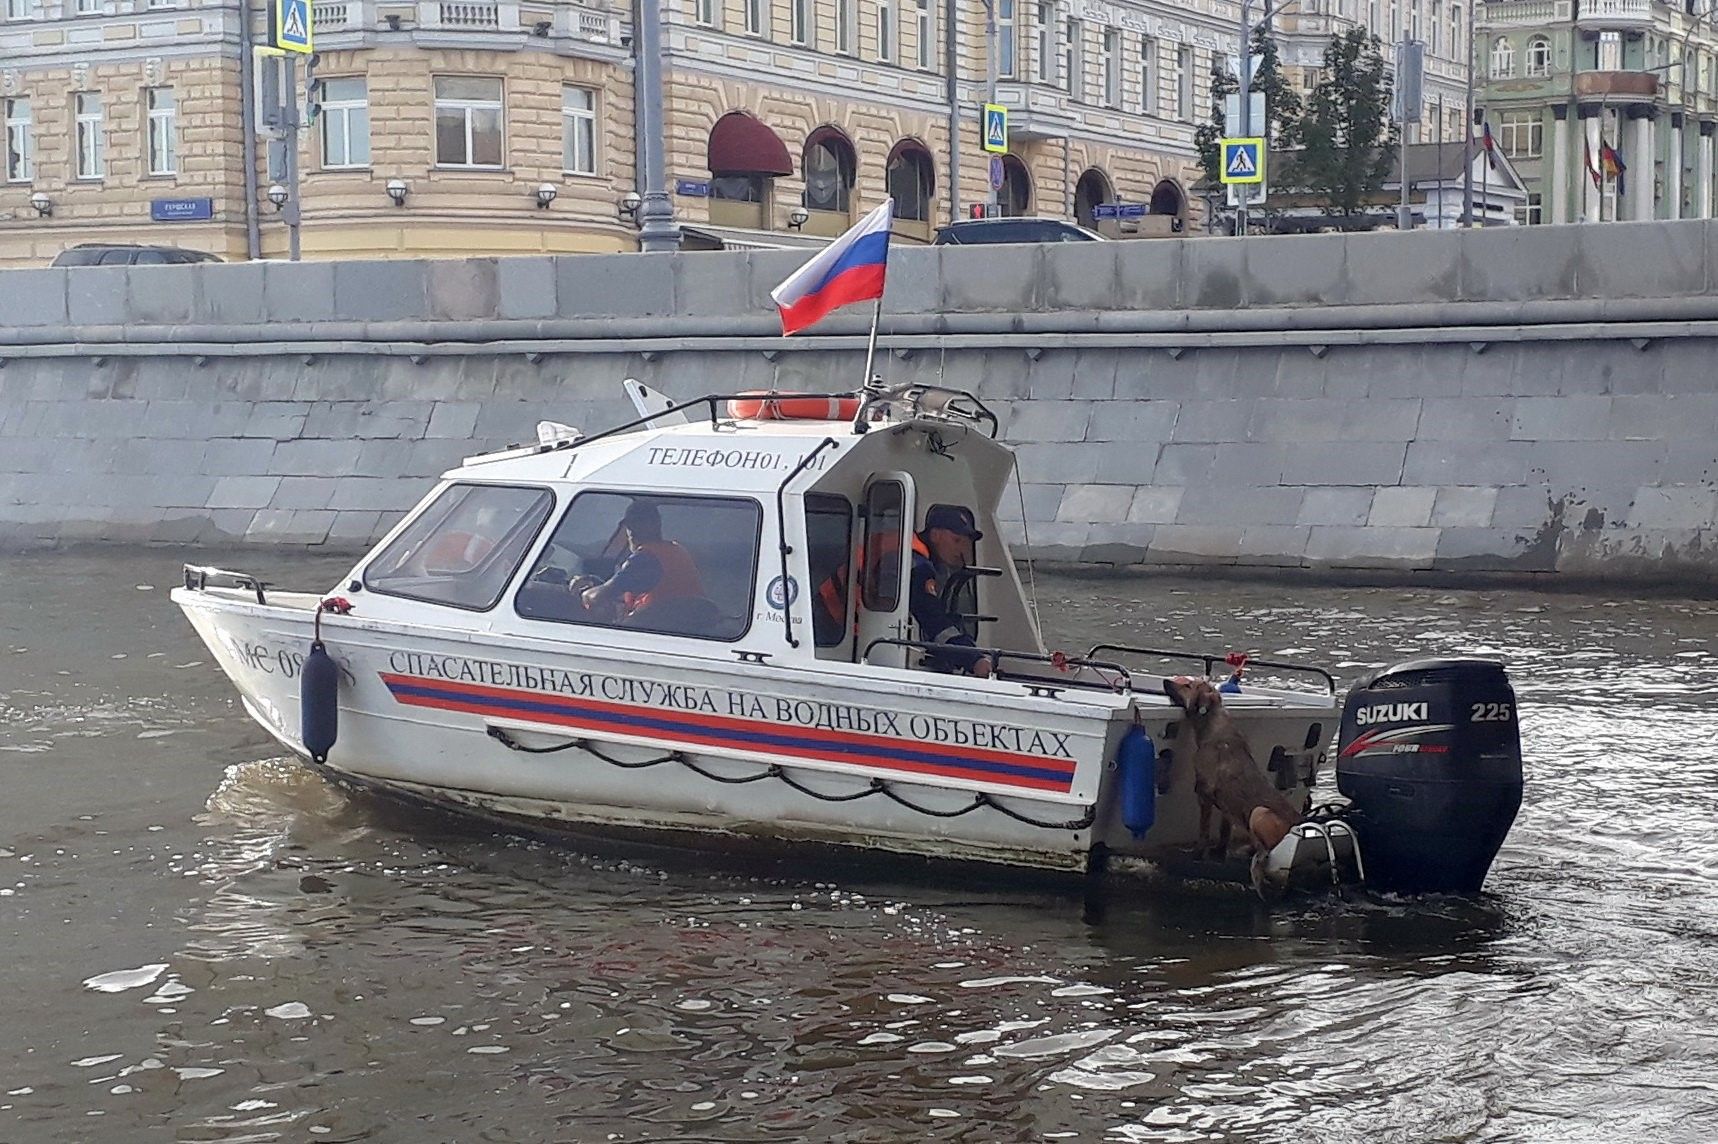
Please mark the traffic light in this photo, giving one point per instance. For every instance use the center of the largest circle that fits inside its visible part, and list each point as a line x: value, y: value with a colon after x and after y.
x: 312, y: 89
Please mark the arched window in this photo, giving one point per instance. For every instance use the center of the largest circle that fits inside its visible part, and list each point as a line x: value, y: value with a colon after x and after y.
x: 1015, y: 196
x: 1502, y: 58
x: 1094, y: 188
x: 1539, y: 56
x: 829, y: 171
x: 912, y: 180
x: 1168, y: 199
x: 745, y: 158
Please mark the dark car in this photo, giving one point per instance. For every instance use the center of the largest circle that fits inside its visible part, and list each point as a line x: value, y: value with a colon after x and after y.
x: 129, y: 254
x: 980, y: 230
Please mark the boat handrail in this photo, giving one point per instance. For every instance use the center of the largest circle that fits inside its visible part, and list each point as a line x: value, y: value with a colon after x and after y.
x: 997, y: 655
x: 199, y: 576
x: 781, y: 534
x: 1211, y: 659
x: 712, y: 400
x: 915, y: 392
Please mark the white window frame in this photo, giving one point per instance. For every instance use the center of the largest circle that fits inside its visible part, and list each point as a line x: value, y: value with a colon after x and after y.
x: 577, y: 122
x: 1502, y: 58
x: 20, y: 9
x: 1073, y: 59
x: 161, y: 145
x: 846, y: 27
x: 1007, y: 47
x: 17, y: 144
x: 1044, y: 15
x: 466, y: 107
x: 706, y: 12
x: 1456, y: 52
x: 343, y: 109
x: 927, y: 35
x: 1434, y: 34
x: 1539, y: 57
x: 1608, y: 52
x: 799, y: 20
x: 757, y: 17
x: 1521, y: 134
x: 1110, y: 58
x: 89, y: 150
x: 1532, y: 212
x: 1182, y: 90
x: 887, y: 32
x: 1148, y: 75
x: 89, y: 8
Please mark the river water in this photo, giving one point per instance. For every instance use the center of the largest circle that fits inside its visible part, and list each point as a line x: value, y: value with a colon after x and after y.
x: 205, y: 942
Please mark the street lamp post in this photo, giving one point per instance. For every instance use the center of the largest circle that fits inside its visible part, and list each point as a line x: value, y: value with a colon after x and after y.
x: 658, y: 233
x: 1467, y: 128
x: 990, y: 70
x: 1245, y: 102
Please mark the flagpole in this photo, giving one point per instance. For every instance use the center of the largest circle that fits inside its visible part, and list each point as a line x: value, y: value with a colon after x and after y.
x: 871, y: 345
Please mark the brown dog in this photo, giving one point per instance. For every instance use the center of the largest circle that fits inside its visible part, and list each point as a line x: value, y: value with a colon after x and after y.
x: 1225, y: 776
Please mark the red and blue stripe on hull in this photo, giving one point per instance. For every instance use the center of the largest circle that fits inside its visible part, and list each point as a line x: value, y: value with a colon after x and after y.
x: 693, y: 729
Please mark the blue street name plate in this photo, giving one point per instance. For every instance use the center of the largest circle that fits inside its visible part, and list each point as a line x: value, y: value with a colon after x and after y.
x: 1119, y: 210
x: 181, y: 210
x: 692, y: 188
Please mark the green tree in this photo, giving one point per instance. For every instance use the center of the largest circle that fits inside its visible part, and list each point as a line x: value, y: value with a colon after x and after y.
x: 1282, y: 104
x: 1348, y: 144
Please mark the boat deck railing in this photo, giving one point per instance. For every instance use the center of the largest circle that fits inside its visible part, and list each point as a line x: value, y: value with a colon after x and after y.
x: 1122, y: 681
x: 1209, y: 660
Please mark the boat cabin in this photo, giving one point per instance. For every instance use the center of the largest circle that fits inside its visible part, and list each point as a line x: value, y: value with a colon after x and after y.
x: 775, y: 530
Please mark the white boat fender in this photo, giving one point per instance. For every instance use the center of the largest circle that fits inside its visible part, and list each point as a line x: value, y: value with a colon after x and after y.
x: 1136, y: 774
x: 319, y: 689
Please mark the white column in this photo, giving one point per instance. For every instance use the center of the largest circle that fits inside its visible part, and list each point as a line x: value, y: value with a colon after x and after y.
x: 1673, y: 169
x: 1589, y: 192
x: 1559, y: 204
x: 1640, y: 172
x: 1703, y: 171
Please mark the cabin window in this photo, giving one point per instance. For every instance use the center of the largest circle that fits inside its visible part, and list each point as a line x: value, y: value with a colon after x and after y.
x: 464, y: 548
x: 829, y: 562
x: 885, y: 532
x: 681, y: 566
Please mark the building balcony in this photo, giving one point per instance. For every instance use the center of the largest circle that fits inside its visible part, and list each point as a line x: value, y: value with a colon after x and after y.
x: 1036, y: 110
x: 563, y: 22
x: 1615, y: 13
x: 1525, y: 13
x: 1630, y: 86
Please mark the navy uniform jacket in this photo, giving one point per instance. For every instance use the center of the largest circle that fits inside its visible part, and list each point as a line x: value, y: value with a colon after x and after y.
x: 925, y: 604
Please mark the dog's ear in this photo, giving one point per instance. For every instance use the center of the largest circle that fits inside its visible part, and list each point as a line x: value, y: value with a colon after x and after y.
x: 1177, y: 689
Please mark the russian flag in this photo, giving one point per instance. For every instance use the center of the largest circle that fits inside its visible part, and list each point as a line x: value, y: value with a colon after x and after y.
x: 848, y: 270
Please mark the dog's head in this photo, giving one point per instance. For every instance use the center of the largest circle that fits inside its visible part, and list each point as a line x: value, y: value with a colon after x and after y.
x: 1195, y: 696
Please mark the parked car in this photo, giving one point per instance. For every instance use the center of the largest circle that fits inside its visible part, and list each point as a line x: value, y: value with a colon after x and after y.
x: 968, y: 232
x: 129, y: 254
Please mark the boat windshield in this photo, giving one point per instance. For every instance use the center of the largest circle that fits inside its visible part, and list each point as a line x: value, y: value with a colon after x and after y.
x: 464, y: 548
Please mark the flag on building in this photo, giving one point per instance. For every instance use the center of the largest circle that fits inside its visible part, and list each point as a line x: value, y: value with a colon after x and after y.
x: 1592, y: 168
x: 1614, y: 166
x: 848, y: 270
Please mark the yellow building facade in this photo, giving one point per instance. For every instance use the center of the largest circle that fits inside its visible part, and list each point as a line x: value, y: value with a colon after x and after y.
x: 508, y: 127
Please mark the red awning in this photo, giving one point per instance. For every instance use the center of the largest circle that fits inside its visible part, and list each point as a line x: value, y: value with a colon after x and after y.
x: 742, y: 144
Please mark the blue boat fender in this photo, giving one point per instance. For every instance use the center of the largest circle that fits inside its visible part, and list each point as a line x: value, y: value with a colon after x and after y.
x: 319, y: 690
x: 1136, y: 767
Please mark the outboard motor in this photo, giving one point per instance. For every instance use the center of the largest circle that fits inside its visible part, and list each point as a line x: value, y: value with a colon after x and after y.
x: 1430, y: 758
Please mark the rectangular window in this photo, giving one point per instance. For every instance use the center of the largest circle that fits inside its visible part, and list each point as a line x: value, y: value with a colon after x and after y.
x: 19, y: 9
x: 90, y: 150
x: 468, y: 121
x: 799, y: 21
x: 1610, y: 51
x: 886, y: 31
x: 1522, y: 134
x: 1046, y: 61
x: 345, y: 122
x: 1005, y: 55
x: 1148, y: 75
x: 1533, y: 213
x: 18, y: 144
x: 1112, y: 67
x: 846, y: 26
x: 682, y: 565
x: 163, y: 114
x: 89, y: 7
x: 1183, y: 81
x: 1433, y: 44
x: 704, y: 11
x: 578, y: 130
x: 885, y: 529
x: 927, y: 37
x: 1073, y: 61
x: 464, y: 548
x: 756, y: 14
x: 829, y: 562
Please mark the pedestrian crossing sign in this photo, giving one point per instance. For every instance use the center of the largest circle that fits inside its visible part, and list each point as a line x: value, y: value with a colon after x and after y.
x: 291, y: 26
x: 1243, y: 161
x: 996, y: 128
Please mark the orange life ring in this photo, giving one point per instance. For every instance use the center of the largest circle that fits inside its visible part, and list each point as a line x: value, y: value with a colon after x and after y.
x: 765, y: 406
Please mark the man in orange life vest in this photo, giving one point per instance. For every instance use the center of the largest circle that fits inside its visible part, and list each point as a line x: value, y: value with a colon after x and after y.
x: 944, y: 547
x: 654, y: 571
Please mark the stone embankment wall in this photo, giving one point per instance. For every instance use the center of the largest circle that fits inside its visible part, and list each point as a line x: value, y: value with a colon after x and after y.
x: 1540, y: 400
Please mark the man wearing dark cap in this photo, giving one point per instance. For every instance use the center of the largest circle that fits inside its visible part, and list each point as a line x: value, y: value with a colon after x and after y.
x: 944, y: 547
x: 654, y: 571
